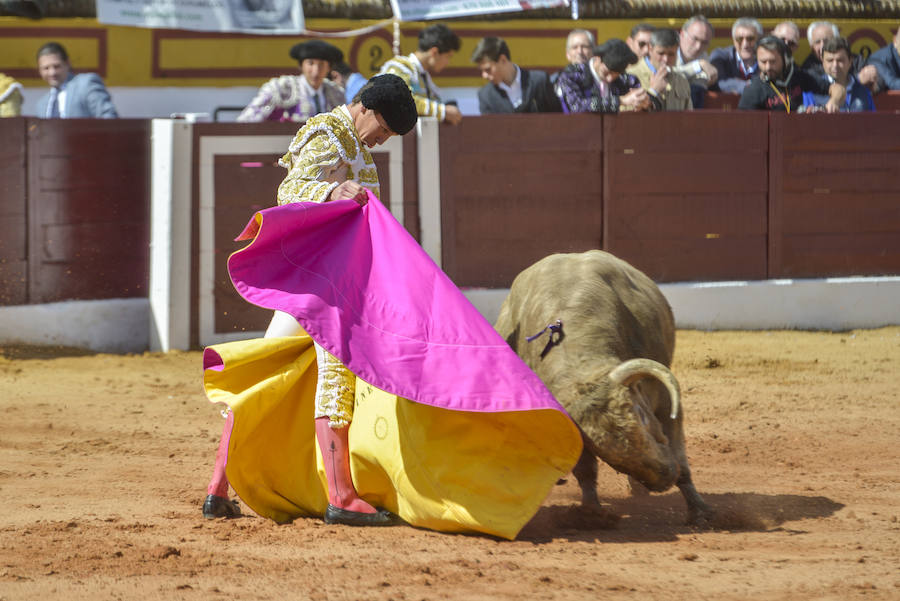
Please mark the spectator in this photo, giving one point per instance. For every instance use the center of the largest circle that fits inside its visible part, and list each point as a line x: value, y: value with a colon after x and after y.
x: 693, y: 60
x: 509, y: 88
x: 836, y: 59
x: 437, y: 44
x: 887, y: 61
x: 602, y: 85
x: 10, y: 96
x: 639, y: 39
x: 668, y: 90
x: 789, y: 33
x: 779, y: 86
x: 71, y: 96
x: 299, y: 97
x: 343, y: 75
x: 737, y: 64
x: 817, y: 34
x: 579, y: 48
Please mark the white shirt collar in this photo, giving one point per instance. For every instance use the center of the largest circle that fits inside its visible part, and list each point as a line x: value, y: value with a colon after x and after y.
x: 514, y: 91
x: 311, y: 92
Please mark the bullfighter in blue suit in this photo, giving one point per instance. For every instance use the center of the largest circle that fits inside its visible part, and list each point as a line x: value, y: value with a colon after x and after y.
x: 71, y: 96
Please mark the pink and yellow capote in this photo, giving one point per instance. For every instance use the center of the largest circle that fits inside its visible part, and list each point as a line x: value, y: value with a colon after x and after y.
x: 451, y: 430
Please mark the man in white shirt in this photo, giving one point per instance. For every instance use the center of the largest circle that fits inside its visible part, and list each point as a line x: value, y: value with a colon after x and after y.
x: 509, y: 88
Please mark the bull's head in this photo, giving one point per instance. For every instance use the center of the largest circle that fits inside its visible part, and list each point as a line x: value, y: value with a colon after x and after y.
x: 631, y: 432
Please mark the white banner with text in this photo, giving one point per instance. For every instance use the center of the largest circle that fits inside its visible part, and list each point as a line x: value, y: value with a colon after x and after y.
x: 247, y: 16
x: 423, y: 10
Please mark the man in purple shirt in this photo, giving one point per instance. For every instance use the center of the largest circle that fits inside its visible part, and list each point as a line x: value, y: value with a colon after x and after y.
x: 601, y: 85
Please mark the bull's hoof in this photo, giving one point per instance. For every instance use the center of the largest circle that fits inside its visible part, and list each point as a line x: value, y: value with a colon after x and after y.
x: 701, y: 517
x: 219, y: 507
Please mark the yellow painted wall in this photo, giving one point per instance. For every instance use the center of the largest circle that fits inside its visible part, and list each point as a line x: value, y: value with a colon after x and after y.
x: 199, y: 59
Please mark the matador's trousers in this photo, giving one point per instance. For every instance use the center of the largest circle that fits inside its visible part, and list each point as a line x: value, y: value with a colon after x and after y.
x: 336, y: 385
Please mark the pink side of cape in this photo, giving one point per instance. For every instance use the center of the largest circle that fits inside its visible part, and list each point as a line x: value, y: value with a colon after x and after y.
x: 365, y: 290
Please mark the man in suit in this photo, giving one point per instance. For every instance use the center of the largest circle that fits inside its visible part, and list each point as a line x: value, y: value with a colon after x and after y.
x: 668, y: 89
x: 71, y: 96
x: 887, y: 61
x: 509, y: 88
x: 736, y: 64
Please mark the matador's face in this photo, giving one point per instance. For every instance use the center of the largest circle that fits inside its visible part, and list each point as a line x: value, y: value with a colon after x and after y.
x: 373, y: 130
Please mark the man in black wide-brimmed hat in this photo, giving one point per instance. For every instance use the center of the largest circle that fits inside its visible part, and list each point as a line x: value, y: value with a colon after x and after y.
x: 329, y: 160
x: 299, y: 97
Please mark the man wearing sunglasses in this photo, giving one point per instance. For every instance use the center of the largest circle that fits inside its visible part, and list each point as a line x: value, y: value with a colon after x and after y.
x: 737, y: 65
x: 639, y: 39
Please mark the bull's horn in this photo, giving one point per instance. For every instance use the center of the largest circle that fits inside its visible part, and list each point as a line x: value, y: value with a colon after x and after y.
x: 630, y: 371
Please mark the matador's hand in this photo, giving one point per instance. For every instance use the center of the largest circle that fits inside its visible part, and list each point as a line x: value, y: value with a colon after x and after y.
x: 350, y: 190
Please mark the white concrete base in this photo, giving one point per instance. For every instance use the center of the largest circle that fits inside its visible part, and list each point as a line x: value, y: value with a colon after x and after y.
x: 110, y: 326
x: 123, y: 325
x: 822, y: 304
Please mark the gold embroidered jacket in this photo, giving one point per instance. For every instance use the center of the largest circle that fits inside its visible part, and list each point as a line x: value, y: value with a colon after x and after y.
x: 326, y: 152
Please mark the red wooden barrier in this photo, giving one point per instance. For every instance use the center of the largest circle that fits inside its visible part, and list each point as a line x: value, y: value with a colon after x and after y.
x: 515, y: 188
x: 685, y: 194
x: 834, y: 197
x: 88, y: 209
x: 13, y: 214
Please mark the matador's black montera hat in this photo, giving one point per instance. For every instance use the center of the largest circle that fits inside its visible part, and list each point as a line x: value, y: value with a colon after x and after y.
x: 390, y: 96
x: 316, y: 49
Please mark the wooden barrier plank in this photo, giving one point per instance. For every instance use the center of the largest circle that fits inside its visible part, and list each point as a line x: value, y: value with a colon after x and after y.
x: 13, y: 213
x: 824, y: 172
x: 812, y: 213
x: 88, y: 208
x: 843, y: 133
x: 841, y: 254
x: 685, y: 196
x: 515, y: 188
x: 833, y: 206
x: 888, y: 101
x: 243, y: 184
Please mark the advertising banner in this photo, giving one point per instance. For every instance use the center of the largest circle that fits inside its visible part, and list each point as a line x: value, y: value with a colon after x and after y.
x: 247, y: 16
x: 423, y: 10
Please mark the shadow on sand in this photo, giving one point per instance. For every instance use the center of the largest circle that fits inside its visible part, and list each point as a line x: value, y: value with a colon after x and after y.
x: 662, y: 517
x: 34, y: 351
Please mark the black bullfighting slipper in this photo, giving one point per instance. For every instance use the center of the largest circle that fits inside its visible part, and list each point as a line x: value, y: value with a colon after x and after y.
x: 382, y: 517
x: 219, y: 507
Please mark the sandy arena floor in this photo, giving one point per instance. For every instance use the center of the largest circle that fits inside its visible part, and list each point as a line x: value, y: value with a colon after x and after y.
x: 793, y: 437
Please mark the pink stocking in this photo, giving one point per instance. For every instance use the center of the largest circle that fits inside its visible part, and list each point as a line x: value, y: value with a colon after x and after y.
x: 219, y: 484
x: 335, y: 449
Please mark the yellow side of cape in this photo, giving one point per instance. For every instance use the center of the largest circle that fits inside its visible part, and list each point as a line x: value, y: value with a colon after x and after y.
x: 452, y: 471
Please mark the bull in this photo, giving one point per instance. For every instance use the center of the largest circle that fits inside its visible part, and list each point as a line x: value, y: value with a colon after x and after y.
x: 600, y: 335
